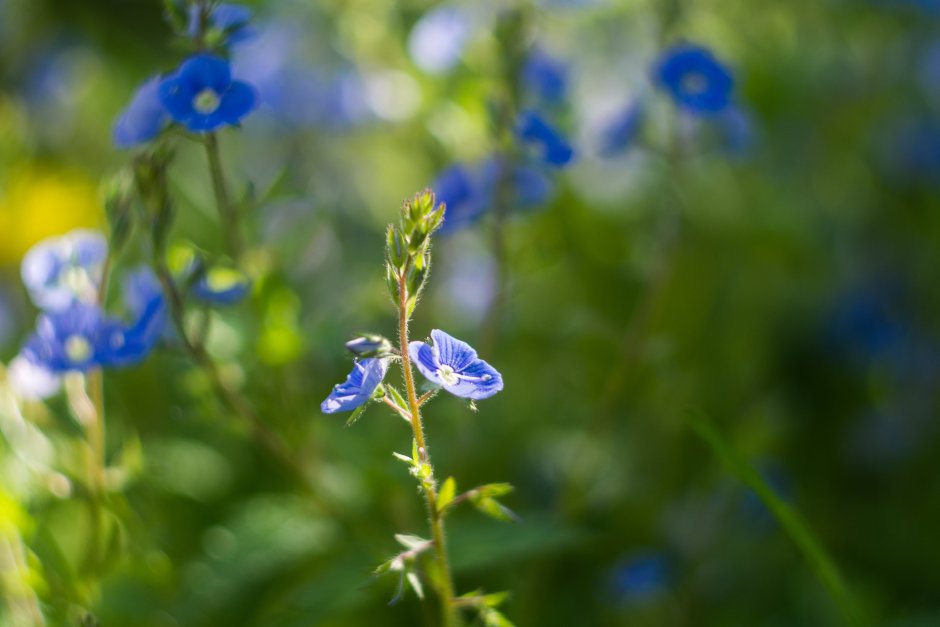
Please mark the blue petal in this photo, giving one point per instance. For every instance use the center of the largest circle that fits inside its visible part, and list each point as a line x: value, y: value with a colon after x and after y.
x: 142, y: 119
x: 622, y: 131
x: 478, y: 380
x: 546, y: 77
x: 205, y: 122
x: 237, y: 102
x: 711, y: 91
x: 452, y: 352
x: 358, y: 387
x: 177, y: 98
x: 51, y: 267
x: 425, y: 360
x: 533, y: 129
x: 205, y: 71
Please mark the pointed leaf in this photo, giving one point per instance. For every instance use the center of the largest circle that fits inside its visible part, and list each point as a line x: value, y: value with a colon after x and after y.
x: 411, y: 542
x: 447, y: 494
x: 495, y: 509
x: 492, y: 618
x: 396, y: 396
x: 495, y: 490
x: 404, y: 458
x: 356, y: 415
x: 415, y: 584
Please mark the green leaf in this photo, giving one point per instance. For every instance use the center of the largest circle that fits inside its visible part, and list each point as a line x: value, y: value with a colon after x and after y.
x: 404, y: 458
x: 396, y: 396
x: 492, y: 618
x: 495, y: 599
x: 411, y: 542
x: 356, y: 415
x: 447, y: 494
x: 494, y: 509
x: 414, y: 452
x: 494, y: 490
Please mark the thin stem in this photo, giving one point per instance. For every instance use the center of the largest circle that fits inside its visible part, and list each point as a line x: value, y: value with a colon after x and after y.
x: 446, y: 591
x: 401, y: 411
x: 227, y: 213
x: 789, y: 519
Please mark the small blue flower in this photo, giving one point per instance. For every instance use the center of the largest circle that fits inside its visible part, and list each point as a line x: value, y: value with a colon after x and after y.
x: 640, y: 577
x: 78, y: 338
x: 454, y: 365
x: 534, y: 130
x: 545, y: 78
x: 462, y: 197
x: 358, y: 387
x: 622, y: 131
x: 221, y: 285
x: 202, y: 96
x: 232, y: 19
x: 143, y: 119
x: 61, y: 270
x: 695, y: 79
x: 143, y: 296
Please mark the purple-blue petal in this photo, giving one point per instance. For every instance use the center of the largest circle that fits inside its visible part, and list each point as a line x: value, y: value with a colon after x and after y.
x: 533, y: 129
x: 478, y: 380
x: 425, y: 360
x: 452, y: 352
x: 177, y: 97
x: 714, y: 83
x: 142, y: 119
x: 358, y: 387
x: 237, y: 102
x: 205, y: 71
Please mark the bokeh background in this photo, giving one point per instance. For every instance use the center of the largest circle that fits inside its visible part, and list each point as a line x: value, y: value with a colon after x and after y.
x: 778, y: 275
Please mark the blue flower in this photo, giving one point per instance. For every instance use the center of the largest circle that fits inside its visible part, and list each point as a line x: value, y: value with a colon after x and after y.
x: 78, y: 338
x: 553, y: 148
x: 463, y: 199
x: 545, y: 77
x: 61, y: 270
x: 695, y: 80
x: 641, y: 577
x: 358, y: 387
x: 221, y: 285
x: 231, y: 19
x: 202, y: 96
x: 454, y: 365
x: 143, y: 119
x: 143, y: 296
x: 622, y: 131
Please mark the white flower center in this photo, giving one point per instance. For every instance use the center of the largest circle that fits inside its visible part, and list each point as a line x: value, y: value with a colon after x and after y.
x: 78, y: 349
x: 206, y: 101
x: 447, y: 375
x: 694, y: 83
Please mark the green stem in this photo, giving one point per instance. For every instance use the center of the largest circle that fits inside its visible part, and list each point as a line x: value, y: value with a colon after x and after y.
x: 228, y: 216
x: 446, y: 587
x: 789, y: 519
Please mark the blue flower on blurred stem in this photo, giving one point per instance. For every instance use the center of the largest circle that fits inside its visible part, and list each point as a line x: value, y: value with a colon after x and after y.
x: 232, y: 19
x: 553, y: 148
x: 454, y: 365
x: 641, y: 577
x: 695, y: 79
x: 143, y: 296
x: 358, y: 387
x: 545, y: 77
x: 622, y: 131
x: 222, y: 285
x: 143, y: 119
x: 463, y: 202
x: 61, y: 270
x: 438, y: 38
x: 78, y: 338
x: 202, y: 96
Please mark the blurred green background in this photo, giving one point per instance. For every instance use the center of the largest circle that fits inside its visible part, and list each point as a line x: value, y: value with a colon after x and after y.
x: 788, y: 291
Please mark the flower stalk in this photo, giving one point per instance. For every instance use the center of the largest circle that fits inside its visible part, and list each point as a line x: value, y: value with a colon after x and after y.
x: 228, y: 216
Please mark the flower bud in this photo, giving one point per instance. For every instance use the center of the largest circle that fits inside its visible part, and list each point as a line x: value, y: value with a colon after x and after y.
x: 370, y: 345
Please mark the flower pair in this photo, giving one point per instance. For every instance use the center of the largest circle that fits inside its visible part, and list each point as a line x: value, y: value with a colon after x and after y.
x: 448, y: 363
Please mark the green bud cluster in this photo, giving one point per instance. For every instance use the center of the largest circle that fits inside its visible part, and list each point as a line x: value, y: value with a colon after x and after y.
x: 408, y: 247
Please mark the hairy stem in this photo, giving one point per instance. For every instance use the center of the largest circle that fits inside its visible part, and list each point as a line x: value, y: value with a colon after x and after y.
x: 228, y: 216
x: 446, y: 584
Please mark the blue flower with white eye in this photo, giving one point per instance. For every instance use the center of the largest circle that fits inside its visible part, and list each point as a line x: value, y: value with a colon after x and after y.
x: 545, y: 77
x: 694, y: 78
x: 221, y: 285
x: 231, y: 19
x: 358, y: 387
x: 78, y: 338
x: 61, y: 270
x: 202, y: 96
x: 454, y: 365
x: 622, y: 131
x: 552, y: 147
x: 143, y: 119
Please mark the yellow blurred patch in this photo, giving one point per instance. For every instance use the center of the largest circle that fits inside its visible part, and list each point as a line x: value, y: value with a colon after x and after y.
x: 35, y: 204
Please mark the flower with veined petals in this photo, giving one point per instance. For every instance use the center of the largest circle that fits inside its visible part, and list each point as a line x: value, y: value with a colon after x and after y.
x: 61, y: 270
x: 358, y: 387
x: 695, y: 79
x: 454, y: 365
x: 202, y: 96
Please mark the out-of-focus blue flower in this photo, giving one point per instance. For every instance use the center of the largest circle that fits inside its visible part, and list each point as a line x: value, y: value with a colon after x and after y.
x: 552, y: 147
x: 358, y: 387
x: 232, y: 19
x: 31, y: 381
x: 202, y: 96
x: 221, y: 285
x: 694, y: 78
x: 545, y: 77
x: 78, y: 338
x: 61, y: 270
x: 143, y: 296
x: 736, y: 129
x: 620, y: 133
x: 640, y: 577
x: 468, y: 194
x: 438, y: 38
x: 143, y: 119
x: 454, y: 365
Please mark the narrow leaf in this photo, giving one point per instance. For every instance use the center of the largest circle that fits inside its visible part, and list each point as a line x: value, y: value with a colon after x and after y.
x: 404, y: 458
x: 411, y: 542
x: 447, y: 493
x: 392, y: 391
x: 495, y: 509
x: 495, y: 490
x: 415, y: 584
x: 356, y: 415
